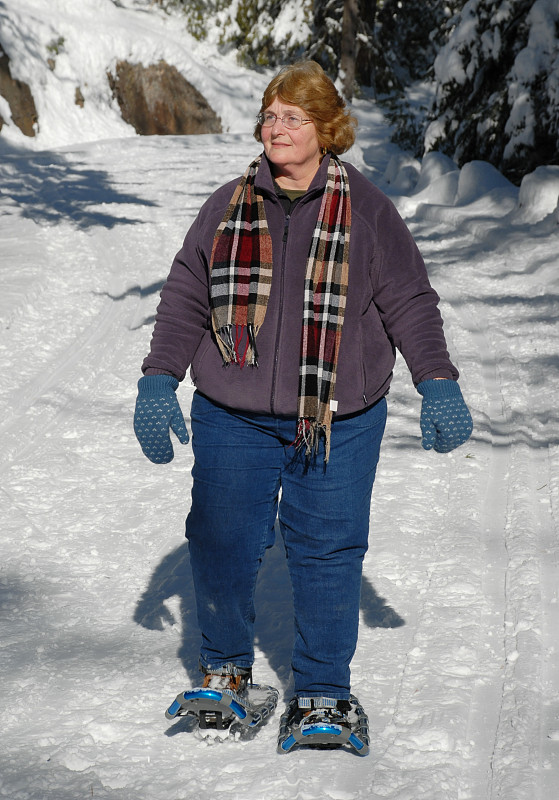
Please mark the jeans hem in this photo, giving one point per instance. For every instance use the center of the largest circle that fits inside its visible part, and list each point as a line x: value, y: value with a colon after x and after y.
x: 330, y: 695
x: 228, y: 667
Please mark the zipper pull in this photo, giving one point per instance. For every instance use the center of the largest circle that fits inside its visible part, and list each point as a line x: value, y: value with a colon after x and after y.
x: 286, y: 228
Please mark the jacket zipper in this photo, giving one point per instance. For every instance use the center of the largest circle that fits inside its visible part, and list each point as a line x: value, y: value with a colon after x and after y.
x: 280, y: 312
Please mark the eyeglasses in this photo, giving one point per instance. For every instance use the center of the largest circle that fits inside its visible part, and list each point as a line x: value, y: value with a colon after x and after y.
x: 291, y: 121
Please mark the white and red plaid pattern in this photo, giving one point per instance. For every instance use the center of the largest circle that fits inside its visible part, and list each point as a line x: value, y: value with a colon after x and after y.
x: 241, y: 272
x: 326, y: 281
x: 241, y: 277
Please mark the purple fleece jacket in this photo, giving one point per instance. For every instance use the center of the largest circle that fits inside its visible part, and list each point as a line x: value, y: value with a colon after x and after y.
x: 390, y: 304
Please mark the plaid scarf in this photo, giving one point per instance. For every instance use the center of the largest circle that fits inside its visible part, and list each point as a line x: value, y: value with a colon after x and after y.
x: 241, y: 277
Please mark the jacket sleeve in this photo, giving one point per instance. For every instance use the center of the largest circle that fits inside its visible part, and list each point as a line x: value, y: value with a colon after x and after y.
x: 183, y: 313
x: 406, y: 301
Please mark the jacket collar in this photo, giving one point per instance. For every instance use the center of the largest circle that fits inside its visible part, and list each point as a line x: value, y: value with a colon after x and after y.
x: 265, y: 181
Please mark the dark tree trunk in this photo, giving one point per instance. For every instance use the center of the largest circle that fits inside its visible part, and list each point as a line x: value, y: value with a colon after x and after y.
x: 350, y: 22
x: 357, y: 55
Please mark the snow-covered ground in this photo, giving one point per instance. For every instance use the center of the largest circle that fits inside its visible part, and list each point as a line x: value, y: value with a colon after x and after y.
x: 458, y: 659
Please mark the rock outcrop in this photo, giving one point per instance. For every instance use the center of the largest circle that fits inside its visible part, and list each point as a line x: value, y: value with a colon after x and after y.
x: 19, y: 97
x: 158, y: 100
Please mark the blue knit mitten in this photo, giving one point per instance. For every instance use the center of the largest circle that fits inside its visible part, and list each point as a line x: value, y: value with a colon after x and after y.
x: 157, y: 412
x: 445, y: 420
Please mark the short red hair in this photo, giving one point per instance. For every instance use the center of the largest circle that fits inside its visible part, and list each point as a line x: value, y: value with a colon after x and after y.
x: 306, y: 85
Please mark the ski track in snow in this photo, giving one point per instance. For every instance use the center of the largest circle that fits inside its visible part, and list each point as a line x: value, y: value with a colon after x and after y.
x: 458, y: 660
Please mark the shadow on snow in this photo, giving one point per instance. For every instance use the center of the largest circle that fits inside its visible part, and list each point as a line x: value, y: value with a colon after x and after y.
x: 274, y: 621
x: 49, y: 189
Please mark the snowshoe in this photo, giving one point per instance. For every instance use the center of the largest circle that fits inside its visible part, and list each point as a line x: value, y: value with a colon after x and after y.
x: 224, y: 699
x: 324, y: 723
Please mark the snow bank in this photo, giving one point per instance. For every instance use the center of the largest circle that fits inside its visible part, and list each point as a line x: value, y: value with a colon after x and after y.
x: 479, y: 178
x: 538, y: 196
x: 402, y: 173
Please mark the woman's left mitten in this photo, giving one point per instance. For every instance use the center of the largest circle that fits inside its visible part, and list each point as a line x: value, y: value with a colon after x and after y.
x: 445, y: 420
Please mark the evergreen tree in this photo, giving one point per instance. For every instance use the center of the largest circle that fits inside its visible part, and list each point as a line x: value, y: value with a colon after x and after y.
x: 265, y: 33
x: 410, y: 34
x: 497, y: 84
x: 325, y: 44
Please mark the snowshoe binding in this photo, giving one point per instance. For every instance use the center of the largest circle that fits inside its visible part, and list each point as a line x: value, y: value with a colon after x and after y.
x: 324, y: 723
x: 225, y: 698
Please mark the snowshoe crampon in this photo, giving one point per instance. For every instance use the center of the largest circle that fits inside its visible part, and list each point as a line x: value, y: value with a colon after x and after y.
x: 218, y: 704
x: 324, y: 723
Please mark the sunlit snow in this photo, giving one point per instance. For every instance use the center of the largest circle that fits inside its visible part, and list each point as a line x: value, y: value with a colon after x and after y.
x: 458, y: 658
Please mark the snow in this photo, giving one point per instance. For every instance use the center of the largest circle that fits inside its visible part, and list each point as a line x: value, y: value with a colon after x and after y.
x: 477, y: 179
x: 539, y: 194
x: 458, y: 658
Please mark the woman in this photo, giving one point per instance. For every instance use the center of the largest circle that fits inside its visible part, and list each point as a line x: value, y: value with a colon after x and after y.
x: 301, y: 279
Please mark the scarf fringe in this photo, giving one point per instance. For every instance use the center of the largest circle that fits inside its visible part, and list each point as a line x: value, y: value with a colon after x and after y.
x: 309, y: 434
x: 231, y: 348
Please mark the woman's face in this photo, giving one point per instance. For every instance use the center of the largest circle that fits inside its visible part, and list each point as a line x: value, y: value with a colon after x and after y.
x: 295, y: 154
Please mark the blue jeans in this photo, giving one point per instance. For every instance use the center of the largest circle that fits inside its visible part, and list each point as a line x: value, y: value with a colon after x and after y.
x: 245, y: 474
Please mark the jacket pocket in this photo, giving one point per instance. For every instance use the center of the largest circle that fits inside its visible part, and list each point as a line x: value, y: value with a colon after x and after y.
x: 200, y: 354
x: 377, y: 354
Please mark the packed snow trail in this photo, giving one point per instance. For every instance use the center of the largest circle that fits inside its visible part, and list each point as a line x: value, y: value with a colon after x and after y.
x: 457, y: 663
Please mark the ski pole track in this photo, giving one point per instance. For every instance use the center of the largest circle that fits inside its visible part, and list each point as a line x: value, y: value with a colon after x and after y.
x: 548, y: 494
x: 437, y: 662
x: 425, y: 732
x: 519, y: 523
x: 67, y: 378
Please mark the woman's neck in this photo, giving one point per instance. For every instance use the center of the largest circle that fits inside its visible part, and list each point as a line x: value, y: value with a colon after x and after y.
x: 294, y: 181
